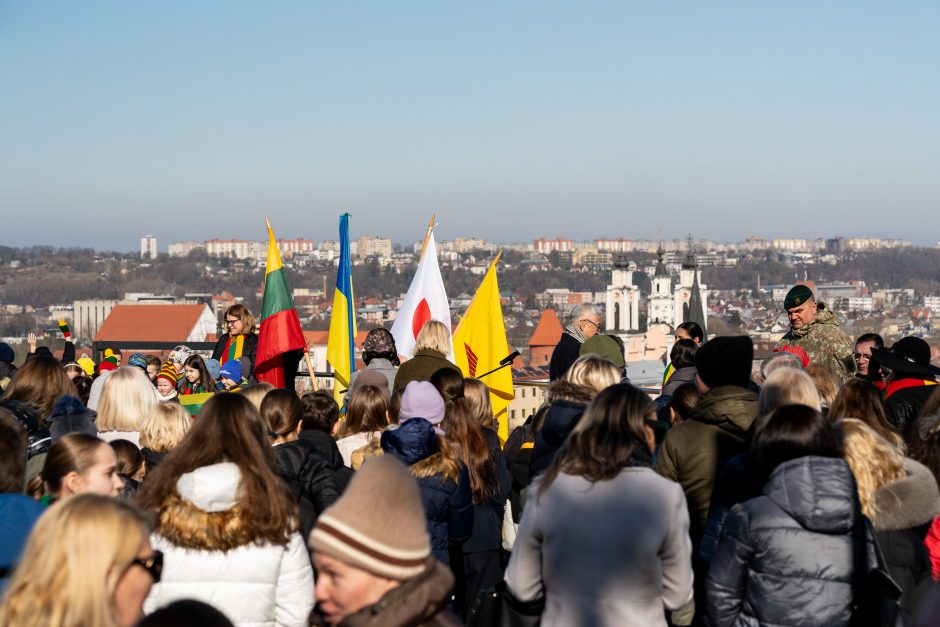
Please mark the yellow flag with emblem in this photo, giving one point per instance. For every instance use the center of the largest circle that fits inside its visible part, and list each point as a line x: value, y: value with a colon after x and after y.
x: 480, y: 343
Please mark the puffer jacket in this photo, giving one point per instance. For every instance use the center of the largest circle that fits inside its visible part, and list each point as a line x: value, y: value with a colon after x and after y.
x: 325, y: 446
x: 786, y: 557
x: 695, y: 450
x: 309, y: 479
x: 256, y: 585
x: 417, y: 602
x: 447, y: 503
x: 904, y: 510
x: 568, y: 402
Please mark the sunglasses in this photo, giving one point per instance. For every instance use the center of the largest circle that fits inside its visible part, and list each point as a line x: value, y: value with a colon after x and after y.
x: 153, y: 565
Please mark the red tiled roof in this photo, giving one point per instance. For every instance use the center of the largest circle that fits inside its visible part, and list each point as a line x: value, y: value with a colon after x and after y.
x: 149, y: 323
x: 322, y: 337
x: 548, y: 331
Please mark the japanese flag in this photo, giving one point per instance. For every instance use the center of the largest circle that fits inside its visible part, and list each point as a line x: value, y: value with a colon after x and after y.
x: 425, y: 300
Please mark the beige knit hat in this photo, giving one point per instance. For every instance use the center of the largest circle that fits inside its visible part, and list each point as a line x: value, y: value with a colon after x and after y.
x: 378, y: 524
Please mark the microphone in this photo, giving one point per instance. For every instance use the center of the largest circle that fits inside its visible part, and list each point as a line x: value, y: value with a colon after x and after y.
x: 505, y: 361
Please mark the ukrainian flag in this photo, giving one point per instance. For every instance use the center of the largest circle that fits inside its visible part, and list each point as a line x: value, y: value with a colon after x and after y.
x: 340, y: 349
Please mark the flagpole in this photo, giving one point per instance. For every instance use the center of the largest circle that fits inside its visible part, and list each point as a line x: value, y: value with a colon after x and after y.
x: 427, y: 236
x: 313, y: 378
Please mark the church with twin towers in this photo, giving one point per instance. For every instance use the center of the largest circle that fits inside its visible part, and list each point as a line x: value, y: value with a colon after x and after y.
x: 672, y: 300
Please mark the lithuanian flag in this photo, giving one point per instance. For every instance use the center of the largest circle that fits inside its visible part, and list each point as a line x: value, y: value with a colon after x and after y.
x: 280, y: 325
x: 480, y: 344
x: 192, y: 403
x: 340, y: 348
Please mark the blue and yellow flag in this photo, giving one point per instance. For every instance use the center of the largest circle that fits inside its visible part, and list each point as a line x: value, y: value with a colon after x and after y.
x: 340, y: 348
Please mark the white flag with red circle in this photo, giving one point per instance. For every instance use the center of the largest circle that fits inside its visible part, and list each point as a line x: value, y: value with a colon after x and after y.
x: 425, y: 300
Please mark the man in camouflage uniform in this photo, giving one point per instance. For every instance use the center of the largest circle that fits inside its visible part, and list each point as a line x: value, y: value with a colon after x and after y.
x: 815, y: 329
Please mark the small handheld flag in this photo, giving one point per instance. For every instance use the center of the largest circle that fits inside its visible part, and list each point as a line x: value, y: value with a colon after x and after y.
x: 64, y: 327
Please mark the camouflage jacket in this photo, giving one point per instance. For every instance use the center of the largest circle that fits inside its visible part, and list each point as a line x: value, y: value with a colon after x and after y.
x: 824, y: 343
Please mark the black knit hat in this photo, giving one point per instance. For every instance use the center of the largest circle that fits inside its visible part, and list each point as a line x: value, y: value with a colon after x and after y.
x: 70, y: 416
x: 725, y: 361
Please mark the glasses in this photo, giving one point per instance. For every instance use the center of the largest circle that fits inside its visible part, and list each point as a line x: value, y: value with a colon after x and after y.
x: 231, y: 323
x: 862, y: 357
x: 597, y: 326
x: 153, y: 565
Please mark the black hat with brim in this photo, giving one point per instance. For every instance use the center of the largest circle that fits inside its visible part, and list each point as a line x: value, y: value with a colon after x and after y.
x: 909, y: 354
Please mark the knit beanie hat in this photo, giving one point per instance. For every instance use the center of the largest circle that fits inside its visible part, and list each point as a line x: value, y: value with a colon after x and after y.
x: 379, y: 341
x: 725, y: 361
x: 214, y: 367
x: 378, y: 524
x: 109, y: 363
x: 69, y: 415
x: 182, y: 353
x: 168, y: 372
x: 422, y: 400
x: 6, y: 353
x: 139, y: 360
x: 87, y: 364
x: 605, y: 348
x: 231, y: 370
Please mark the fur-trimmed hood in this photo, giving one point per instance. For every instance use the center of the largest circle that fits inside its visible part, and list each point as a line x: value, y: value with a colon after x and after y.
x: 416, y: 444
x: 205, y: 514
x: 909, y: 502
x: 562, y: 390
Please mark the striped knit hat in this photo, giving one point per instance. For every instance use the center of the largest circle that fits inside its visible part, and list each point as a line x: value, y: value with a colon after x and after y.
x: 378, y: 524
x: 168, y: 372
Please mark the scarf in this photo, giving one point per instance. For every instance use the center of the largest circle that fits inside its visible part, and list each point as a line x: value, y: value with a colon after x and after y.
x: 233, y: 350
x: 901, y: 384
x: 575, y: 332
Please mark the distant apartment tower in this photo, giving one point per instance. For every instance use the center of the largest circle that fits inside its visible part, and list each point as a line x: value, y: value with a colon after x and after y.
x: 545, y: 245
x: 148, y: 247
x: 368, y: 246
x: 933, y: 304
x: 182, y: 249
x: 291, y: 247
x: 234, y: 248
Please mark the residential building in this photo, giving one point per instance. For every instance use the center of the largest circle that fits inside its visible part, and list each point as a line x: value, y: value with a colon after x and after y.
x: 148, y: 247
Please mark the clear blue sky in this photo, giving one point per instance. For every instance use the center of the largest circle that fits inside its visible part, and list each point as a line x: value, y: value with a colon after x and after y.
x: 510, y: 120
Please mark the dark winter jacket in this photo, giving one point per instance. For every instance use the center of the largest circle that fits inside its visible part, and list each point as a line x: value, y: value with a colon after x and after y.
x: 18, y: 514
x: 566, y: 353
x: 447, y: 503
x: 786, y: 558
x: 903, y: 513
x: 309, y: 479
x: 679, y: 377
x: 737, y: 482
x: 38, y: 437
x: 903, y: 405
x: 152, y: 459
x: 418, y: 602
x: 325, y: 446
x: 488, y: 516
x: 568, y: 402
x: 420, y: 367
x: 696, y: 449
x: 249, y: 352
x: 518, y: 454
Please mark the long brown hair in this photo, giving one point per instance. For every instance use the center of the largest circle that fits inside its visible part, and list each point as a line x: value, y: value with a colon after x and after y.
x: 39, y: 382
x: 860, y: 399
x: 463, y: 429
x: 925, y: 435
x: 365, y: 412
x: 282, y: 411
x: 74, y: 452
x: 607, y: 438
x: 229, y: 429
x: 478, y: 402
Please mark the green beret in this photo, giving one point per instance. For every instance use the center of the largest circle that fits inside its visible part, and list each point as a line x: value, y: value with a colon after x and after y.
x: 797, y: 296
x: 605, y: 348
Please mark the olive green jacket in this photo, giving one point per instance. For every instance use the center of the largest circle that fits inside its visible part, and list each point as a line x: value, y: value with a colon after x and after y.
x: 825, y: 344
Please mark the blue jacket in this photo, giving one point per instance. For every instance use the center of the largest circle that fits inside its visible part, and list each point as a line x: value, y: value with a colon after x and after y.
x: 447, y: 503
x: 18, y: 513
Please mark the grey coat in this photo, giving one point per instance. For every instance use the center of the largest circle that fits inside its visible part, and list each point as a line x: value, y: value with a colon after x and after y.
x: 614, y: 552
x: 786, y: 558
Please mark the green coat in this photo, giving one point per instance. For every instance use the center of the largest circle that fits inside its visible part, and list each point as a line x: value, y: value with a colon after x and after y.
x: 825, y: 344
x: 695, y: 450
x: 421, y: 367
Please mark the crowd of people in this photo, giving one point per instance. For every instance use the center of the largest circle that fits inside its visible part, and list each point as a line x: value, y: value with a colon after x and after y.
x: 800, y: 489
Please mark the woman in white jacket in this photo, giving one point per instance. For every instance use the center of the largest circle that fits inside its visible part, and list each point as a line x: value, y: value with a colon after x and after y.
x: 604, y: 538
x: 226, y: 524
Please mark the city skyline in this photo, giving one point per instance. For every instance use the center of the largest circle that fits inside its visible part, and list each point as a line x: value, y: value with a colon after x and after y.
x: 191, y: 121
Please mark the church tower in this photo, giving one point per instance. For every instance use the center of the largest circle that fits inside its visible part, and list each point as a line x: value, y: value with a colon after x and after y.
x: 661, y: 307
x: 623, y: 298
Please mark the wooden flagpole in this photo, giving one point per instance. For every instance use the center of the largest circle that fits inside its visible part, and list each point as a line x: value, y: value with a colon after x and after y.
x: 427, y: 236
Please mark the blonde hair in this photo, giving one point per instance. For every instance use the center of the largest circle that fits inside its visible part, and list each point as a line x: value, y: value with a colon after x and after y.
x: 434, y: 335
x: 126, y: 400
x: 255, y: 393
x: 787, y: 386
x: 874, y: 461
x: 593, y: 372
x: 826, y: 384
x: 164, y: 427
x: 75, y: 556
x: 478, y: 402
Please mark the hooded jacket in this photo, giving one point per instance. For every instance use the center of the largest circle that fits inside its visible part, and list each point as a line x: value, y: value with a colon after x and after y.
x: 568, y: 402
x: 417, y: 602
x: 825, y: 344
x: 256, y: 585
x: 695, y: 450
x: 447, y: 504
x: 309, y: 480
x: 787, y: 558
x: 904, y: 510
